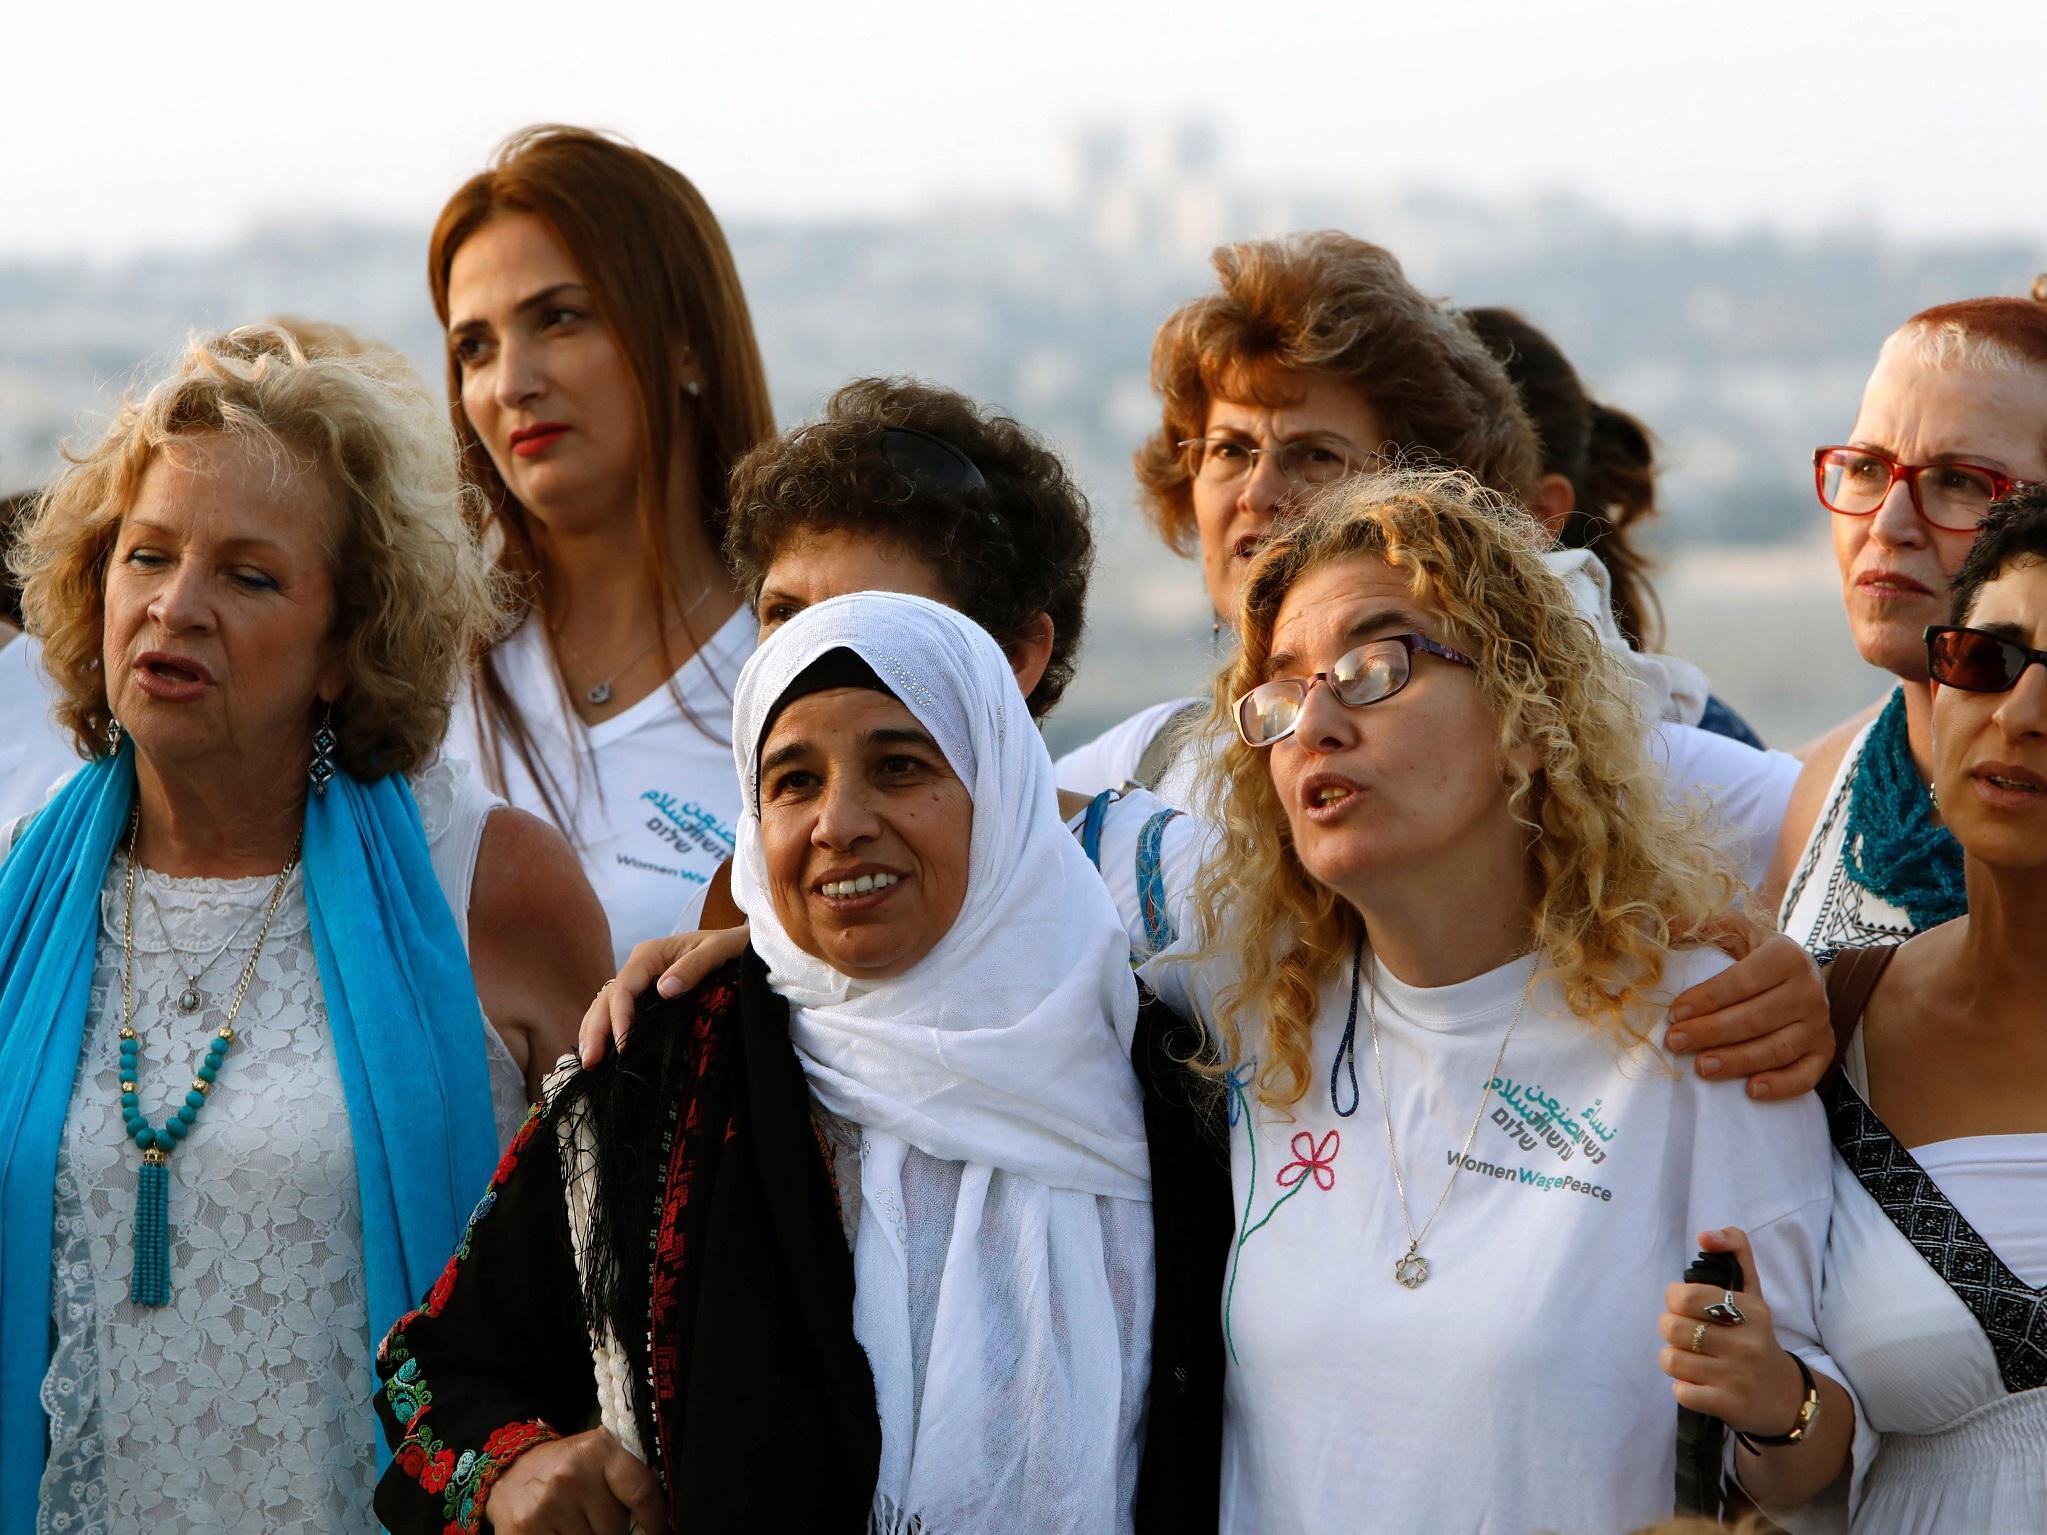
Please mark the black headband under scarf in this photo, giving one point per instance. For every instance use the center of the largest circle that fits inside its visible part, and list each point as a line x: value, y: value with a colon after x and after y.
x: 838, y: 668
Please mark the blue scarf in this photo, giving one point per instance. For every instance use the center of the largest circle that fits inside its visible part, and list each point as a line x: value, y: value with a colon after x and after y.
x: 401, y: 1007
x: 1894, y: 846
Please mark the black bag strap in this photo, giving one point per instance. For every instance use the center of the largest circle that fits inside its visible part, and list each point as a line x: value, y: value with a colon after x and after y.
x: 1850, y: 978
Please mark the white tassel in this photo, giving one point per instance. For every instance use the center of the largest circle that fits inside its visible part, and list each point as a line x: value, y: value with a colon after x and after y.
x: 577, y: 1141
x: 886, y: 1519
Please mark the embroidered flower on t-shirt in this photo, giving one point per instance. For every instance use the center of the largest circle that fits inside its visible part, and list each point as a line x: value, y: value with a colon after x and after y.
x: 1312, y: 1157
x: 1314, y: 1162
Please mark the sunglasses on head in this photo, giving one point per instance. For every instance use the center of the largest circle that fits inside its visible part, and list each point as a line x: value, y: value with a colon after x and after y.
x: 1370, y: 674
x: 1975, y: 660
x: 930, y: 459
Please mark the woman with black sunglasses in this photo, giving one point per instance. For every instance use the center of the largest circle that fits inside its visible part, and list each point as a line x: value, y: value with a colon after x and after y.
x: 1954, y: 416
x: 1935, y: 1300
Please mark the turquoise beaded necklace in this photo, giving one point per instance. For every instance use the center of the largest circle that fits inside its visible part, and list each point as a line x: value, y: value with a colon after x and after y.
x: 150, y: 1284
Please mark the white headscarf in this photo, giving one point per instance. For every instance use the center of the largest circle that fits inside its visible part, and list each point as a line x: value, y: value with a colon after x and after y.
x: 1005, y: 1049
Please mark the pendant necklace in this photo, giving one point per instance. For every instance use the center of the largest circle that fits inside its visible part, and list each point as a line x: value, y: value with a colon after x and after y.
x: 599, y: 693
x: 150, y: 1282
x: 1411, y: 1271
x: 191, y: 999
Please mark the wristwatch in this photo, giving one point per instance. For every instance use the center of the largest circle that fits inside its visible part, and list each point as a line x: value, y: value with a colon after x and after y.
x: 1808, y: 1415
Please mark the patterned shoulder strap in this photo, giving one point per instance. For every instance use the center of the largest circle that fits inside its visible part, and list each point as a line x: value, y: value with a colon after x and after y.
x: 2012, y: 1313
x: 1091, y: 827
x: 1159, y: 931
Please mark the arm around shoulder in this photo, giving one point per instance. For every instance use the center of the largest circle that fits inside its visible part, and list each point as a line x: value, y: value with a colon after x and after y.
x: 538, y: 939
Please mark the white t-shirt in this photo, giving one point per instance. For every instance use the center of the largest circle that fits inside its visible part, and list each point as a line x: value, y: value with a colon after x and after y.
x: 653, y: 798
x: 34, y: 753
x: 1517, y: 1389
x: 1744, y: 789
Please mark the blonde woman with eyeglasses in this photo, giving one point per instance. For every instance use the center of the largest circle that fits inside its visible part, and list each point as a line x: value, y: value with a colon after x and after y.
x: 1440, y: 925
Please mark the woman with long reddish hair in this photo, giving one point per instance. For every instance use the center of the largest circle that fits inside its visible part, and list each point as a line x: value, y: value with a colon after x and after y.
x: 604, y: 376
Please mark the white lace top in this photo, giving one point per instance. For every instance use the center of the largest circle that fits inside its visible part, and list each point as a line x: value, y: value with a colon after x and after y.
x: 245, y: 1403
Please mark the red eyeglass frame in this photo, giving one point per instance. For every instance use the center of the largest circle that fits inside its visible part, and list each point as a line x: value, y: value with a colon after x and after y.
x: 2001, y: 484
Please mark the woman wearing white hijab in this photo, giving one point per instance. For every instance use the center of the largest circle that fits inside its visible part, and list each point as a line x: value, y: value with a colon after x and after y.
x: 902, y: 1277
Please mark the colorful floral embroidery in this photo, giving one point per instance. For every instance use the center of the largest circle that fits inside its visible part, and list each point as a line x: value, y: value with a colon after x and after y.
x: 717, y: 1006
x: 392, y: 1348
x: 463, y: 1480
x: 1313, y: 1162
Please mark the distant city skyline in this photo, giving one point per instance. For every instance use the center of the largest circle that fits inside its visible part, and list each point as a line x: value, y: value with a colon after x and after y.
x: 132, y: 128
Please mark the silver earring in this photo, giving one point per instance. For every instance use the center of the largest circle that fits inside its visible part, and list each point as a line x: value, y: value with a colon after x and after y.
x: 114, y: 733
x: 695, y: 389
x: 323, y: 754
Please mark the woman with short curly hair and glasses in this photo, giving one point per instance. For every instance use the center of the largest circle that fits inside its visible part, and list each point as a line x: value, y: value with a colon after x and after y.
x: 1315, y: 357
x: 1444, y: 914
x: 247, y: 1087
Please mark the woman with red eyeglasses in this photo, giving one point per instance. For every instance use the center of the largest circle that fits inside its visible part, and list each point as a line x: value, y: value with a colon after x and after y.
x: 1954, y: 416
x: 1934, y: 1304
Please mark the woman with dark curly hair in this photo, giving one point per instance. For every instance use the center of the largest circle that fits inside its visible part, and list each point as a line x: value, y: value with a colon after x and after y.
x: 247, y: 1086
x: 906, y: 486
x: 947, y: 494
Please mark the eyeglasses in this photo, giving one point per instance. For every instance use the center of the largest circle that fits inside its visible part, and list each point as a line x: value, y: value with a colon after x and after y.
x: 1371, y: 674
x: 921, y: 456
x: 1975, y: 660
x: 1853, y: 482
x: 1226, y: 460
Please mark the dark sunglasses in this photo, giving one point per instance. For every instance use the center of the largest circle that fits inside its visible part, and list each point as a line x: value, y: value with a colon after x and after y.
x: 930, y: 459
x: 1975, y: 660
x: 1371, y: 674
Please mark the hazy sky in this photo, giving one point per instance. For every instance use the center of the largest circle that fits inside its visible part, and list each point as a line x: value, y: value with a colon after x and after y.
x: 125, y: 125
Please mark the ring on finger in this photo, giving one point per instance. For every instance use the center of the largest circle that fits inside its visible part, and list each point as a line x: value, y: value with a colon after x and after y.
x: 1699, y: 1338
x: 1724, y: 1312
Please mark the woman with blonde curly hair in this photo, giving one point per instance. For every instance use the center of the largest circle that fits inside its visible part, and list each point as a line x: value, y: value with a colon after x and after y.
x: 247, y: 1088
x: 1438, y: 929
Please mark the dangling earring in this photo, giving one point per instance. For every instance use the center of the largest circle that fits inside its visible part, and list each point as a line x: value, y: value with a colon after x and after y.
x: 322, y: 768
x: 114, y: 733
x: 694, y: 388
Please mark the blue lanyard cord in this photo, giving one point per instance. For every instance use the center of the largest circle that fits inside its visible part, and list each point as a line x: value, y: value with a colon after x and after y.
x: 1347, y: 1047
